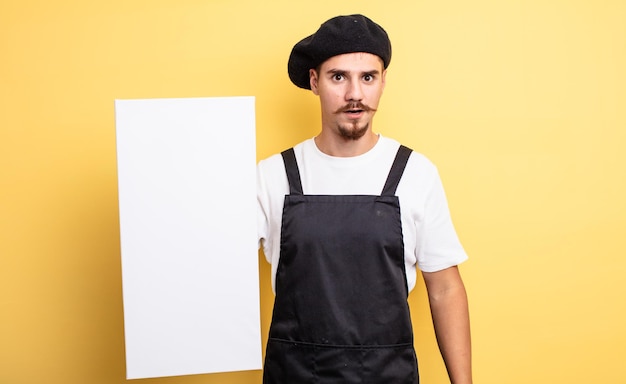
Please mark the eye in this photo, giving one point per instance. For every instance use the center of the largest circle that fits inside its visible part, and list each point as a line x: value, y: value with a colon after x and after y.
x: 368, y: 77
x: 337, y: 77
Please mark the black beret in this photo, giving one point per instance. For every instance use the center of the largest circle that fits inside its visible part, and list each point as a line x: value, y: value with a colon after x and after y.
x: 339, y: 35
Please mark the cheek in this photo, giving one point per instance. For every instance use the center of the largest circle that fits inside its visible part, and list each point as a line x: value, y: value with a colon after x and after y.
x: 375, y: 97
x: 329, y: 100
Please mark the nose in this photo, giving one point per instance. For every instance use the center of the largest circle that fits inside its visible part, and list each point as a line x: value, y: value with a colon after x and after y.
x: 354, y: 91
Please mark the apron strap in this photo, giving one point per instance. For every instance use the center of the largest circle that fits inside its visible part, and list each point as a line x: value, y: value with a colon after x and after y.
x: 397, y: 169
x: 393, y: 179
x: 293, y: 173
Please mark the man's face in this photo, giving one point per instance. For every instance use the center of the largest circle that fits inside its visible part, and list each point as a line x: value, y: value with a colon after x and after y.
x: 349, y: 87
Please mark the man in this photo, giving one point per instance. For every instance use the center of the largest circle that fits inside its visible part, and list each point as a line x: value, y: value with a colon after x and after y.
x: 345, y: 219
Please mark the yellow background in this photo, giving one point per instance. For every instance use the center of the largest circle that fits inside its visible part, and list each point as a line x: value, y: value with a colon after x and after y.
x: 521, y: 104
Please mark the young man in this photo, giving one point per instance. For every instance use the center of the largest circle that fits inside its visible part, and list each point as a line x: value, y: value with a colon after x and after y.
x: 345, y: 219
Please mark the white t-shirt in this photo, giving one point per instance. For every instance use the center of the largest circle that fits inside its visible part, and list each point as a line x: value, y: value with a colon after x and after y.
x: 430, y: 241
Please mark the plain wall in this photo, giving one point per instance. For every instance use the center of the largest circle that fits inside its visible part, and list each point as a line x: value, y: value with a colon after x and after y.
x: 521, y: 104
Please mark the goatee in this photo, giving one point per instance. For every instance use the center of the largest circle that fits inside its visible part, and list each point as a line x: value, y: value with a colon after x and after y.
x: 353, y: 132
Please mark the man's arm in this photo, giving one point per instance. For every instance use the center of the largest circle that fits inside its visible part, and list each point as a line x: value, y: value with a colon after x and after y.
x: 448, y: 304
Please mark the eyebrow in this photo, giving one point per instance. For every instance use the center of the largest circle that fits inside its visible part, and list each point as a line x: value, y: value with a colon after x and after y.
x: 336, y: 71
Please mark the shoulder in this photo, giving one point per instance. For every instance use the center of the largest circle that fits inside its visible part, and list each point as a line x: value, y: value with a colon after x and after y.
x: 418, y: 164
x: 270, y: 164
x: 420, y: 175
x: 275, y: 162
x: 271, y: 174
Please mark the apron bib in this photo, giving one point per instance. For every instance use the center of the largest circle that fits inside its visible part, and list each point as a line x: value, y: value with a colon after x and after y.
x: 341, y: 313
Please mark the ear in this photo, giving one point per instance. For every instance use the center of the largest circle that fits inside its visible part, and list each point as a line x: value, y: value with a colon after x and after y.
x: 313, y: 81
x: 383, y: 78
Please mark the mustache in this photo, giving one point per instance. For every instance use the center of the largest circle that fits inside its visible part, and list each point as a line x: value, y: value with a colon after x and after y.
x: 355, y: 106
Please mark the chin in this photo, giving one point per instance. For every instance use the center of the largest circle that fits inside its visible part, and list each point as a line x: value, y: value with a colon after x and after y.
x: 353, y: 133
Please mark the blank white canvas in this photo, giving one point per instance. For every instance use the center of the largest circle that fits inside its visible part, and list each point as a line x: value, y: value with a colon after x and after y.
x: 187, y: 196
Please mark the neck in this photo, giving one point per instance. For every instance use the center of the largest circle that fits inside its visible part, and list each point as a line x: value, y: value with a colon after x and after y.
x: 338, y: 146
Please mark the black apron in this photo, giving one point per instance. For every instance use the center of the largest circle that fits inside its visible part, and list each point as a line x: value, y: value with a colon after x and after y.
x: 341, y: 313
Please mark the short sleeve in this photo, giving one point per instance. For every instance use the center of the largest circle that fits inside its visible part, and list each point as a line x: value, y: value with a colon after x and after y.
x: 441, y: 247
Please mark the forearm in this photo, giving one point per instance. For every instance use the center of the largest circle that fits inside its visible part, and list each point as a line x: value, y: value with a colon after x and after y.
x: 449, y: 307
